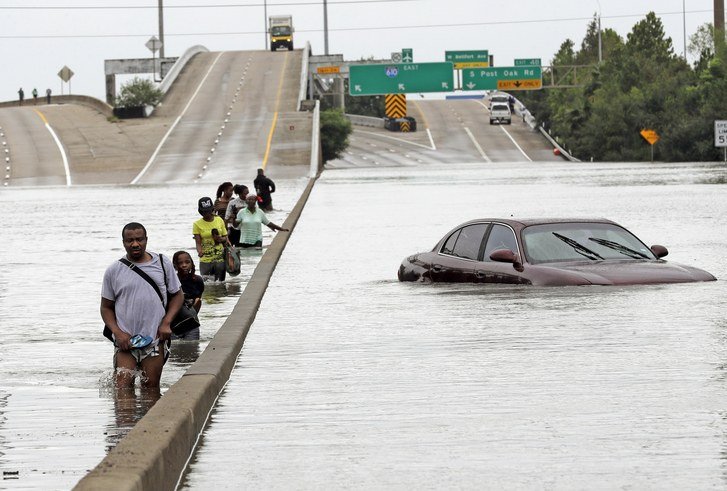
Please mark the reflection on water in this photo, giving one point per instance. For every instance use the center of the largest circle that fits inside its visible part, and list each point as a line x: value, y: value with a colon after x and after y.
x: 130, y: 405
x: 59, y: 413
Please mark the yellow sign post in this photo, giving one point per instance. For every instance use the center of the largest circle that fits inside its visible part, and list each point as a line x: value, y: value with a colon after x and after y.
x: 652, y: 137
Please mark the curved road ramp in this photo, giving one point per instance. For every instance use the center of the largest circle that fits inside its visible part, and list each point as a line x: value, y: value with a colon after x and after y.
x: 225, y: 115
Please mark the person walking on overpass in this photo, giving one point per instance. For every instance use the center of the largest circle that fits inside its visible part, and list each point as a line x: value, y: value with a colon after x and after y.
x: 233, y: 208
x: 21, y: 96
x: 47, y: 95
x: 139, y: 298
x: 35, y: 96
x: 223, y: 196
x: 250, y: 220
x: 264, y: 187
x: 210, y: 235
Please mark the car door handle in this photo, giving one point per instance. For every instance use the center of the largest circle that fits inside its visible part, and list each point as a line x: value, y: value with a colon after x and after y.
x: 437, y: 268
x: 480, y: 274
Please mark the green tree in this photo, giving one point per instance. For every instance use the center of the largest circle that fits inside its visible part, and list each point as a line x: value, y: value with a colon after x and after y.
x: 335, y: 129
x: 139, y: 92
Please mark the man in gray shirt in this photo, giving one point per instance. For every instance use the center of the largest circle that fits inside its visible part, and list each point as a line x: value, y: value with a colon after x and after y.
x: 131, y: 308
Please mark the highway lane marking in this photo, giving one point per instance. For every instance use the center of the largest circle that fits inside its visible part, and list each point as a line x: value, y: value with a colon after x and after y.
x: 395, y: 139
x: 66, y: 167
x: 515, y: 143
x: 477, y: 145
x: 426, y: 124
x: 508, y: 134
x: 275, y: 116
x: 176, y: 122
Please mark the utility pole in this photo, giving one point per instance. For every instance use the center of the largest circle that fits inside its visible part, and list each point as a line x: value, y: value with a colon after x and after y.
x: 265, y: 23
x: 600, y: 43
x: 161, y: 28
x: 684, y: 26
x: 325, y: 26
x: 718, y: 24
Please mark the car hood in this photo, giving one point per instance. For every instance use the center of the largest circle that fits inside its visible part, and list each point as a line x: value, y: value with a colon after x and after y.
x: 630, y: 272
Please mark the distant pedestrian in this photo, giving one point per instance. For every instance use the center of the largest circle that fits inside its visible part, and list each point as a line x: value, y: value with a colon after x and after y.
x: 139, y: 299
x: 250, y: 220
x: 35, y: 96
x: 264, y: 187
x: 21, y: 95
x: 47, y: 96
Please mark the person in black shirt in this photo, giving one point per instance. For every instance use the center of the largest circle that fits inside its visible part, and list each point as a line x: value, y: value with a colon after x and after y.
x: 264, y: 187
x: 192, y: 286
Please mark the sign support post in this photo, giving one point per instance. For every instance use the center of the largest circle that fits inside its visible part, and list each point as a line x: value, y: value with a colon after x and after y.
x: 720, y: 136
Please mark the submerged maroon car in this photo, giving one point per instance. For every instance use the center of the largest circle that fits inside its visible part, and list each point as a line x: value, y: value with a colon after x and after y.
x: 546, y: 252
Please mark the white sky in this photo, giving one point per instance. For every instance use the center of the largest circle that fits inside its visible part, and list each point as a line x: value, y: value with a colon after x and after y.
x: 37, y: 41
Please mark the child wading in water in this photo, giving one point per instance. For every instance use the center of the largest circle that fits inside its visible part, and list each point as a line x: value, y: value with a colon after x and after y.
x: 192, y: 286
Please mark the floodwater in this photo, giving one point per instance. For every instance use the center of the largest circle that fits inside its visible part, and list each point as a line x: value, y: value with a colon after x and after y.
x: 350, y: 379
x: 59, y: 413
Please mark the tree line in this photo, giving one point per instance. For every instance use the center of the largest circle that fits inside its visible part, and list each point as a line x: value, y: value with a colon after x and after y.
x: 639, y: 84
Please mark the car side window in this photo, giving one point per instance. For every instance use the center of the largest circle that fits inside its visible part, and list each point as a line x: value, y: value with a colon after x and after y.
x: 448, y: 247
x: 501, y: 237
x: 469, y: 241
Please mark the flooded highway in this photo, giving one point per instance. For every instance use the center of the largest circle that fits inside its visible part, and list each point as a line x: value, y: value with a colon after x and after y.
x: 350, y: 379
x: 59, y: 413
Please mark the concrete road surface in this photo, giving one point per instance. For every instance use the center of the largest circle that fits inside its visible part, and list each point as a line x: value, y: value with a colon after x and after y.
x: 455, y: 131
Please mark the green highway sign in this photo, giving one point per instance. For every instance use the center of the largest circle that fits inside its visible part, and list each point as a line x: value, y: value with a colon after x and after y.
x: 407, y: 55
x: 468, y: 59
x: 503, y: 78
x: 528, y: 62
x: 400, y: 78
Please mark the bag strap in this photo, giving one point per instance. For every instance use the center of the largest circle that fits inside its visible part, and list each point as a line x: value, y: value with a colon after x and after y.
x: 145, y: 276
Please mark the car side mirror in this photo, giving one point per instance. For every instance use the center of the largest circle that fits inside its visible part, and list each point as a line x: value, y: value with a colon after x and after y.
x: 659, y: 251
x: 507, y: 256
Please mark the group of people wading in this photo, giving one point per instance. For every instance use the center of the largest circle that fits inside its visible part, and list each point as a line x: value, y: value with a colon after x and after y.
x: 141, y: 294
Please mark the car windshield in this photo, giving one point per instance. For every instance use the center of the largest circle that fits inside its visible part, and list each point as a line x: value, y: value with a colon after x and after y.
x: 556, y: 242
x: 280, y: 31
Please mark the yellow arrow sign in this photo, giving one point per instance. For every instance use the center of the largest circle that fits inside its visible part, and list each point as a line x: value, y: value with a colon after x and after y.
x: 650, y: 136
x: 529, y: 84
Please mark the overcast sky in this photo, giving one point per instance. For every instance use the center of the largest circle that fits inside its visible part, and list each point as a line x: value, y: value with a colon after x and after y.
x: 39, y: 37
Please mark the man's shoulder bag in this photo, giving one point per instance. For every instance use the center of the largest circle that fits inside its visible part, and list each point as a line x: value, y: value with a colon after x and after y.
x: 185, y: 320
